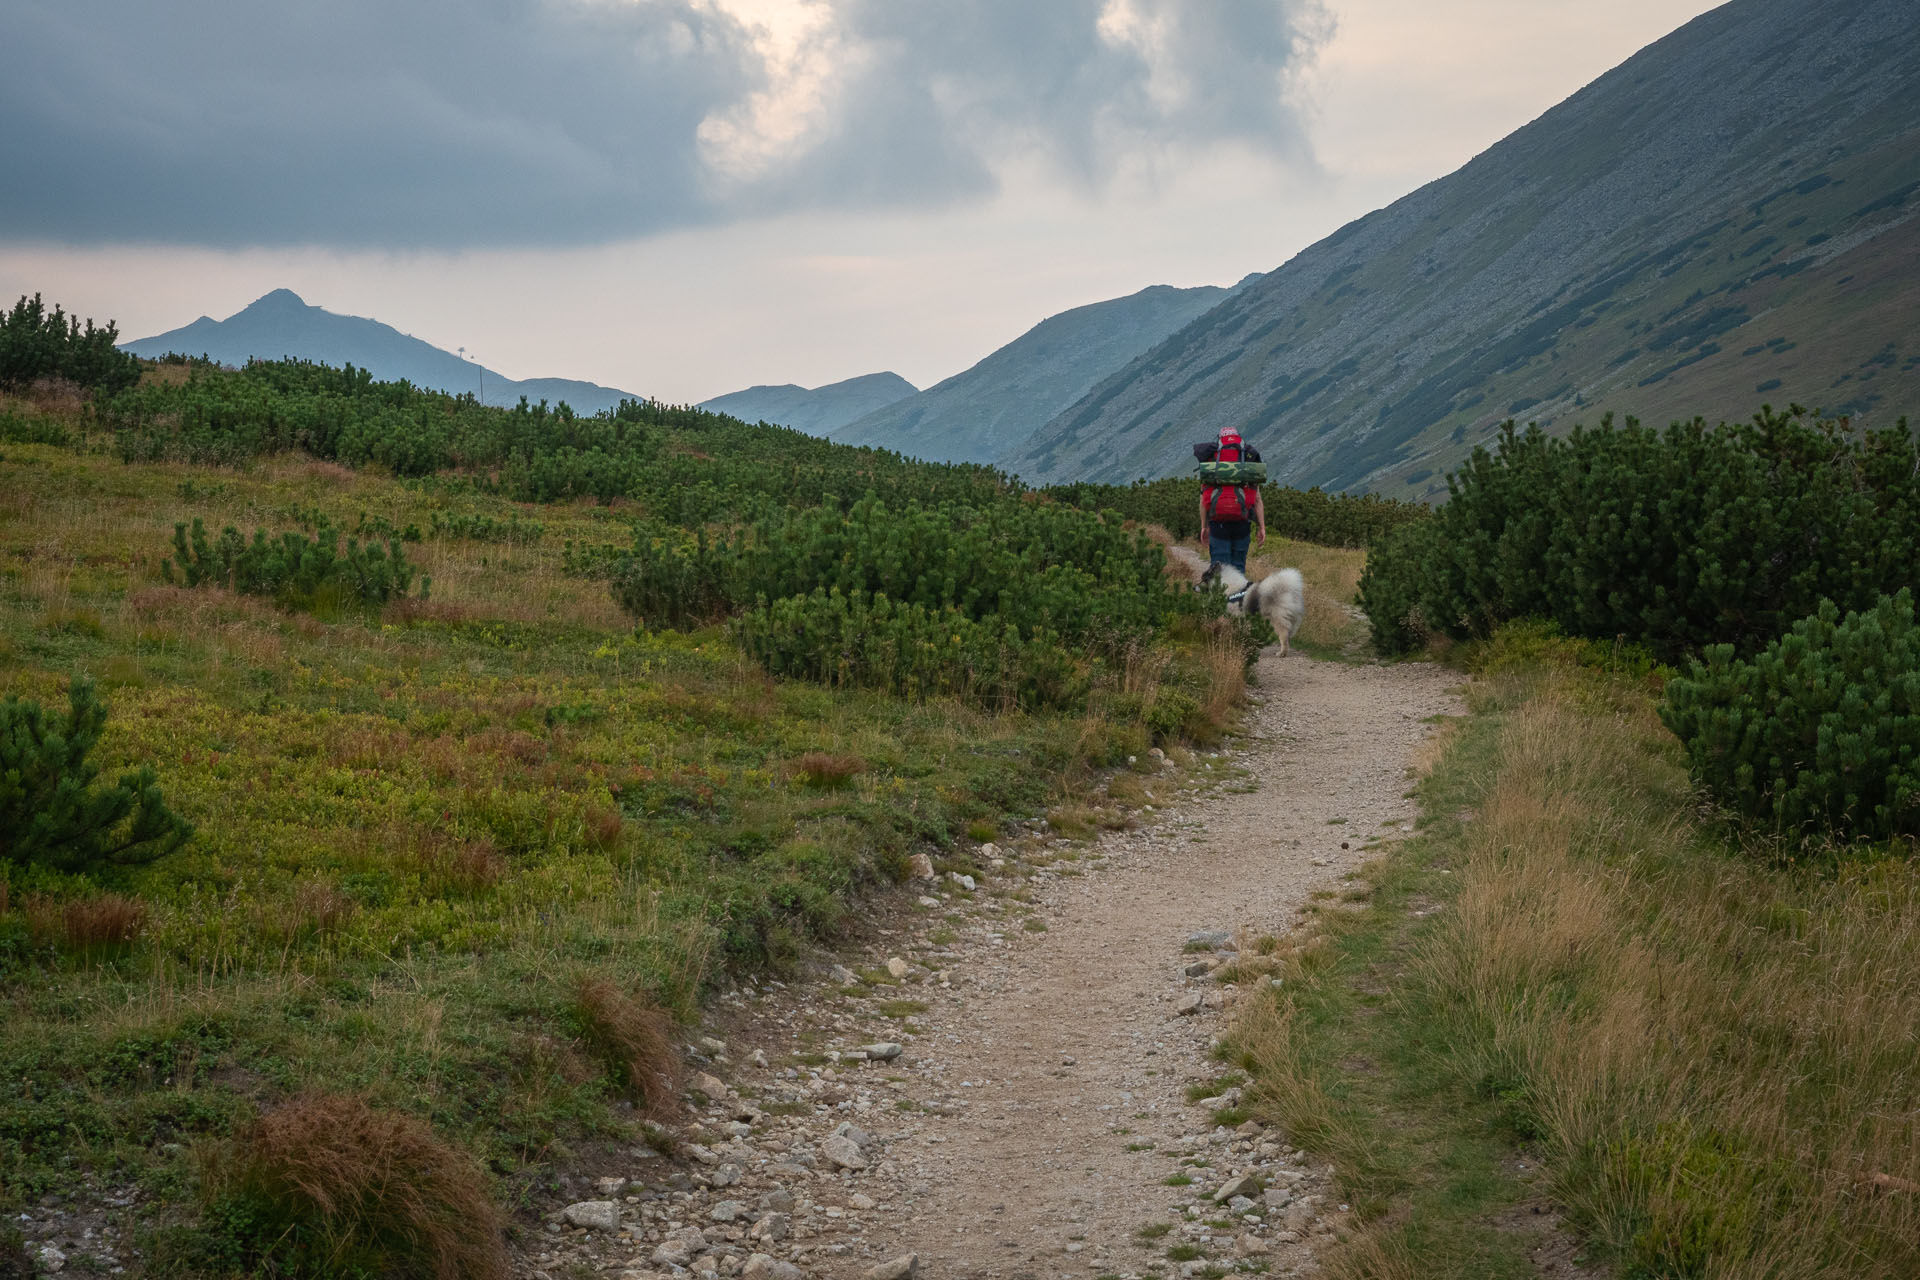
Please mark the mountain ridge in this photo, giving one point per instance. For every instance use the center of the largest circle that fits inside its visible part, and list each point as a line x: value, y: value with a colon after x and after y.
x: 815, y: 410
x: 1681, y: 236
x: 991, y: 407
x: 281, y: 324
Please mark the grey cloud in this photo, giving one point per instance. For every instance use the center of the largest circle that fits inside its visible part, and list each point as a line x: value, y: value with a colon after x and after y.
x: 457, y: 123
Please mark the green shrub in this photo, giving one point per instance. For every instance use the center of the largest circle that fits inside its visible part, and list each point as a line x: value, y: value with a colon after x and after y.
x: 1672, y: 539
x: 485, y: 528
x: 868, y: 641
x: 669, y: 580
x: 36, y: 344
x: 292, y: 568
x: 25, y: 428
x: 1819, y: 733
x: 51, y: 812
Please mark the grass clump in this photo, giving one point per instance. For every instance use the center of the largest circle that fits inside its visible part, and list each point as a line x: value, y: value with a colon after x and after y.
x: 328, y: 1185
x: 634, y: 1036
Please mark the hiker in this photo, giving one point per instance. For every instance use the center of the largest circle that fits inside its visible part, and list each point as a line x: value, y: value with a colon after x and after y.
x: 1231, y: 474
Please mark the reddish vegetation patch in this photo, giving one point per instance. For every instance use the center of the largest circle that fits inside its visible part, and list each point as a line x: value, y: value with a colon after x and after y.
x: 358, y: 1188
x: 821, y: 769
x: 635, y: 1037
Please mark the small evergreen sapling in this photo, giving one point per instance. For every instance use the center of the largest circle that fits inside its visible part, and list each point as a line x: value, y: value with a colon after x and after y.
x: 51, y: 812
x: 1820, y: 732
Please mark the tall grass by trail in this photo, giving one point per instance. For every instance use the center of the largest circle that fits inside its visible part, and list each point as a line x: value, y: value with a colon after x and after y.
x: 1717, y: 1057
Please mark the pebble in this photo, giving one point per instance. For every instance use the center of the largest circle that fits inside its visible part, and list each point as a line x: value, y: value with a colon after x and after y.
x: 762, y: 1267
x: 712, y: 1086
x: 897, y: 967
x: 1190, y: 1004
x: 844, y: 1153
x: 903, y: 1267
x: 1242, y: 1187
x: 727, y: 1211
x: 598, y: 1215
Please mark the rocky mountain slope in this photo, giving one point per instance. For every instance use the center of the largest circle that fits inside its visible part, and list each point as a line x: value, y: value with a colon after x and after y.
x: 1727, y: 218
x: 991, y: 408
x: 818, y: 410
x: 282, y: 325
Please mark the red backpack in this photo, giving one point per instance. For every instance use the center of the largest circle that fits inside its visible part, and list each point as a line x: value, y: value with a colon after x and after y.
x: 1227, y: 501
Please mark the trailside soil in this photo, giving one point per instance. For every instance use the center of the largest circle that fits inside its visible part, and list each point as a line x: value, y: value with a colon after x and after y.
x: 1039, y: 1107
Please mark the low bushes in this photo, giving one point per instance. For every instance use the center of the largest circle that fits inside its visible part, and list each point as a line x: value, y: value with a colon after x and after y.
x: 36, y: 344
x: 1817, y: 734
x: 868, y: 641
x: 1674, y: 539
x: 52, y: 814
x: 293, y: 568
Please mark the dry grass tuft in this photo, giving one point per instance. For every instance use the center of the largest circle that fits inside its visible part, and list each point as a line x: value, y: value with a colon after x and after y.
x: 603, y: 826
x: 1226, y: 682
x: 315, y: 910
x: 635, y: 1038
x: 826, y: 771
x: 347, y: 1188
x: 453, y: 866
x: 106, y: 923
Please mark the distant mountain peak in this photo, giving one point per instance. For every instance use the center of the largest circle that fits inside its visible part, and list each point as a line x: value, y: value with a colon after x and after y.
x: 282, y: 325
x: 816, y: 410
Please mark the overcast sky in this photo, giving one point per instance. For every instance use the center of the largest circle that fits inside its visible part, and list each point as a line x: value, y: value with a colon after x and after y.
x: 685, y: 197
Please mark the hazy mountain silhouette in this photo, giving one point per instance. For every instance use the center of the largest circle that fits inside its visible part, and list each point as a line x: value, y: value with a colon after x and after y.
x: 980, y: 414
x: 1731, y: 216
x: 817, y: 411
x: 281, y: 325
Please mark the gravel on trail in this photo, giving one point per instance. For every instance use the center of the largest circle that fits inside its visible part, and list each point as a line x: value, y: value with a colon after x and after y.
x: 1001, y: 1091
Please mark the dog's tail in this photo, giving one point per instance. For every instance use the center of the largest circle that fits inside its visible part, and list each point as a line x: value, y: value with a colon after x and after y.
x: 1293, y: 589
x: 1290, y: 606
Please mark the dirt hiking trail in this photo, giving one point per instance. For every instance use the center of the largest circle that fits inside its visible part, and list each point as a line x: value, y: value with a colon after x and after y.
x: 1030, y: 1123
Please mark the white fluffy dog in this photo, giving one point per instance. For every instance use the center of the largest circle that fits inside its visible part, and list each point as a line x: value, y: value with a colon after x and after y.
x: 1281, y: 597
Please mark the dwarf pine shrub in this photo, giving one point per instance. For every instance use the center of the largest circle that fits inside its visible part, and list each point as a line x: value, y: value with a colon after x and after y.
x: 292, y: 568
x: 36, y: 343
x: 1673, y: 539
x: 1820, y: 732
x: 868, y: 641
x: 51, y: 812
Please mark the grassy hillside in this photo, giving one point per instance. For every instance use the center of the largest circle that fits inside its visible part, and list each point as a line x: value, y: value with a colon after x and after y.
x: 985, y: 413
x: 1572, y: 1002
x: 1682, y: 236
x: 455, y: 853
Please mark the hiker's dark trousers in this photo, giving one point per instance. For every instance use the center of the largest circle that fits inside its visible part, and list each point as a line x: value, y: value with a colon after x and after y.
x: 1231, y: 551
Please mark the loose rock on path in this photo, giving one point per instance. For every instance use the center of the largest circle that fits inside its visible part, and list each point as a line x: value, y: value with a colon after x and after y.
x: 1001, y: 1090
